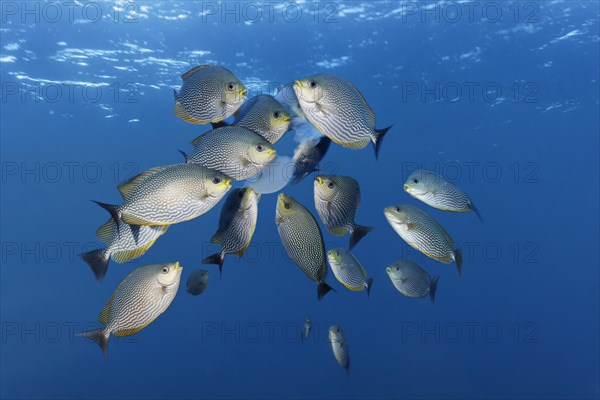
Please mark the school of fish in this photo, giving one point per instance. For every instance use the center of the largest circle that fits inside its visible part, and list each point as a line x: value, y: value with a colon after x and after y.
x: 330, y: 109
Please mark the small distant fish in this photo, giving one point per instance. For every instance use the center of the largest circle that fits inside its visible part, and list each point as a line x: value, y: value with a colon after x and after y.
x: 423, y: 233
x: 339, y: 346
x: 338, y: 110
x: 412, y: 280
x: 237, y: 152
x: 209, y: 94
x: 306, y: 329
x: 348, y: 271
x: 236, y: 225
x: 337, y: 199
x: 142, y: 296
x: 433, y: 190
x: 127, y: 242
x: 197, y: 282
x: 169, y: 195
x: 264, y: 115
x: 303, y: 241
x: 308, y: 155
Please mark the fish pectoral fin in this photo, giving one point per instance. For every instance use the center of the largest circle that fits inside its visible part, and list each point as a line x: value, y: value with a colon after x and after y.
x: 130, y: 185
x: 182, y: 114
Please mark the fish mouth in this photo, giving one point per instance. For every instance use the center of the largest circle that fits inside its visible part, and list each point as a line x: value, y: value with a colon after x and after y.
x: 271, y: 152
x: 286, y: 118
x: 406, y: 187
x: 177, y: 266
x: 243, y: 92
x: 319, y: 180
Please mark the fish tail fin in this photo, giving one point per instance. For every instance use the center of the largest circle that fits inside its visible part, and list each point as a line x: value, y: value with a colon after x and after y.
x: 219, y: 124
x: 322, y: 289
x: 378, y: 139
x: 476, y: 211
x: 458, y: 259
x: 98, y: 336
x: 186, y: 158
x: 218, y: 259
x: 358, y: 232
x: 112, y: 210
x: 433, y: 287
x: 98, y: 262
x: 368, y: 285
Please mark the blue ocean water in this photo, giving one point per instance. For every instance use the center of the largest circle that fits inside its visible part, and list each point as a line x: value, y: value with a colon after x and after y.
x: 501, y: 98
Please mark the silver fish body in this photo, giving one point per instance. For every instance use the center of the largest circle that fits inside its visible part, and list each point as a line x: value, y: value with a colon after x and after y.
x: 209, y: 93
x: 169, y: 195
x: 236, y: 224
x: 264, y: 115
x: 235, y: 151
x: 142, y: 296
x: 307, y: 157
x: 339, y: 346
x: 337, y: 199
x: 303, y: 241
x: 339, y: 111
x: 348, y: 271
x: 411, y: 280
x: 424, y: 234
x: 197, y: 282
x: 123, y: 243
x: 435, y: 191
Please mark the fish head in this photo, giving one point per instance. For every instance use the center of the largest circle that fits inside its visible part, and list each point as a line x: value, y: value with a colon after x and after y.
x: 336, y: 255
x: 396, y: 214
x: 418, y: 183
x: 311, y: 89
x: 279, y: 121
x: 217, y: 184
x: 248, y: 198
x: 335, y: 332
x: 235, y: 93
x: 393, y: 271
x: 286, y: 206
x: 326, y: 187
x: 168, y: 274
x: 260, y: 152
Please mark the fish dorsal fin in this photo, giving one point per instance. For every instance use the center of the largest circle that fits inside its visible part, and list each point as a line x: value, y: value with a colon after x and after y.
x: 197, y: 140
x: 191, y: 71
x: 127, y: 255
x: 106, y: 232
x: 127, y: 187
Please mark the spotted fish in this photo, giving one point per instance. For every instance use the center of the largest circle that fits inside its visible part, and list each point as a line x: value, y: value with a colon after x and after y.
x: 339, y: 346
x: 237, y: 152
x: 339, y: 111
x: 264, y: 115
x: 142, y: 296
x: 169, y: 195
x: 303, y: 241
x: 126, y: 243
x: 197, y: 282
x: 411, y: 280
x: 348, y: 271
x: 337, y: 199
x: 236, y: 225
x: 433, y: 190
x: 307, y: 156
x: 423, y: 233
x: 209, y: 93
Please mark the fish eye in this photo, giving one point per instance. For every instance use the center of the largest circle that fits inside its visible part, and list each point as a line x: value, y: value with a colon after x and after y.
x: 276, y: 114
x: 216, y: 180
x: 165, y: 270
x: 397, y: 209
x: 397, y: 268
x: 230, y: 86
x: 330, y: 185
x: 260, y: 147
x: 415, y: 180
x: 312, y: 84
x: 287, y: 206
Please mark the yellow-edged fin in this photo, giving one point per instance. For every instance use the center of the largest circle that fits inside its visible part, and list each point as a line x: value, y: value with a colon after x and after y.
x: 126, y: 255
x: 128, y: 186
x: 107, y: 231
x: 354, y: 288
x: 133, y: 220
x: 216, y: 238
x: 129, y: 332
x: 445, y: 260
x: 351, y: 145
x: 180, y: 113
x: 105, y: 313
x: 338, y: 231
x: 191, y: 71
x: 363, y: 272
